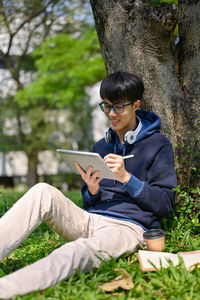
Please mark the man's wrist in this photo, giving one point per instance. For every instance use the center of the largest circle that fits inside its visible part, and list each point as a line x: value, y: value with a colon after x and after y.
x: 93, y: 193
x: 134, y: 186
x: 126, y: 178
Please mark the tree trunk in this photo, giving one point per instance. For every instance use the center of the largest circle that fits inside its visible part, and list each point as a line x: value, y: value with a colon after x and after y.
x: 138, y: 38
x: 189, y: 56
x: 32, y: 177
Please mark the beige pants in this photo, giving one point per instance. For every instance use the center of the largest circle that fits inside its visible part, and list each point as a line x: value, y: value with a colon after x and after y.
x: 91, y: 238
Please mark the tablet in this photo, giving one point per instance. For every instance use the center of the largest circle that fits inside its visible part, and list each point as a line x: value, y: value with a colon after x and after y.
x: 86, y: 159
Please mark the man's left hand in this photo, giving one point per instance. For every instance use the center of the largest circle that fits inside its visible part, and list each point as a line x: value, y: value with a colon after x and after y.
x: 116, y: 164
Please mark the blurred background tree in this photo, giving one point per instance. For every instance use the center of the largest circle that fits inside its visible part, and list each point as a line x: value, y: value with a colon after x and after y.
x: 63, y: 64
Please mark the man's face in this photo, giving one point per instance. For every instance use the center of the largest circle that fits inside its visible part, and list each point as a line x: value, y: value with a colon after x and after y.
x: 124, y: 121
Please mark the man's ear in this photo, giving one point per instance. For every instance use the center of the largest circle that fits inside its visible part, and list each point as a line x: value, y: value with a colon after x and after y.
x: 136, y: 104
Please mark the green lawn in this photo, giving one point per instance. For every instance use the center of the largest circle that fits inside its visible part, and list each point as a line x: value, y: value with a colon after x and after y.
x: 172, y: 283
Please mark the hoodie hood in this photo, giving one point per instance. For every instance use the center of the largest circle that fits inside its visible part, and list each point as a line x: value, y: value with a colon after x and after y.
x: 150, y: 124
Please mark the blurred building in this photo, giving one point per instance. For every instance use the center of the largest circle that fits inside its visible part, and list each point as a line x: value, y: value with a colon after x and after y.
x: 14, y: 164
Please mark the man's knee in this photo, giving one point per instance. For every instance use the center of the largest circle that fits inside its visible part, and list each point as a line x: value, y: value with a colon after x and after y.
x: 39, y: 192
x: 41, y: 186
x: 40, y: 189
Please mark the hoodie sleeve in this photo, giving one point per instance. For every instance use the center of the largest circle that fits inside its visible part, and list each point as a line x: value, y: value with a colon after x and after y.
x: 88, y: 200
x: 156, y: 194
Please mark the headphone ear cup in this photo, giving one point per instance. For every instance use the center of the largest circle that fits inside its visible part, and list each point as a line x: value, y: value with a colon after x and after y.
x: 130, y: 137
x: 109, y: 136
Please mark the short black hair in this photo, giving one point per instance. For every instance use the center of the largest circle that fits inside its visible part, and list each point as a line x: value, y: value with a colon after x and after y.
x: 122, y: 86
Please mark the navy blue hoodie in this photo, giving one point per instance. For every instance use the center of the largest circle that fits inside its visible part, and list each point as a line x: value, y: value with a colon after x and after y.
x: 148, y: 195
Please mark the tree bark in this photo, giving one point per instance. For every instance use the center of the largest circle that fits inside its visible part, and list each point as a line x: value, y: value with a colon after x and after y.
x: 138, y: 38
x: 189, y: 55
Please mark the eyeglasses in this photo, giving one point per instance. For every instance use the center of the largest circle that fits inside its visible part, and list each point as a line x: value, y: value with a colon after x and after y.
x: 117, y: 107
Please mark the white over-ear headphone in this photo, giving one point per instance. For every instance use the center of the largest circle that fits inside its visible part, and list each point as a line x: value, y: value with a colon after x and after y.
x: 129, y: 137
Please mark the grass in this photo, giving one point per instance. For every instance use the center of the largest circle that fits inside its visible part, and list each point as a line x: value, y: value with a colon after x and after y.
x: 172, y: 283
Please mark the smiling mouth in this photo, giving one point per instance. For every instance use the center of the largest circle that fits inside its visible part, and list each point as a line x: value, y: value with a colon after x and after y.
x: 114, y: 122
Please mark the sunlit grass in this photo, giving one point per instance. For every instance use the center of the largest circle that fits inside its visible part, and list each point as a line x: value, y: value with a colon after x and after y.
x: 172, y: 283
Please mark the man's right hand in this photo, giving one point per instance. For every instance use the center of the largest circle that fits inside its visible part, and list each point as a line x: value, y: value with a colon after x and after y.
x: 92, y: 180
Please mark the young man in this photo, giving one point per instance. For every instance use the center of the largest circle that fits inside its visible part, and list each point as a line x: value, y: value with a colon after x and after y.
x: 117, y: 212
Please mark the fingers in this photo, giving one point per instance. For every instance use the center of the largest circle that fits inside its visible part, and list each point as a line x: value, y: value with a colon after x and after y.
x: 88, y: 176
x: 116, y: 164
x: 112, y: 158
x: 114, y: 161
x: 91, y: 179
x: 80, y: 170
x: 84, y: 175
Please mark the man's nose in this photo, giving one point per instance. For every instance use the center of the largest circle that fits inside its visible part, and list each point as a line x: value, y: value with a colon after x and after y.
x: 112, y: 112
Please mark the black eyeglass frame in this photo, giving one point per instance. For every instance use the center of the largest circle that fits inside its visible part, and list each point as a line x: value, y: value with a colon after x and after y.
x: 112, y: 106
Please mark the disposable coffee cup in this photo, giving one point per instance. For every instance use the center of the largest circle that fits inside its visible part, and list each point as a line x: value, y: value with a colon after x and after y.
x: 155, y: 239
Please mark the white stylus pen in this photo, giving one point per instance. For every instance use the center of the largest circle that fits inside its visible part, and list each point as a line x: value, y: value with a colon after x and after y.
x: 128, y: 156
